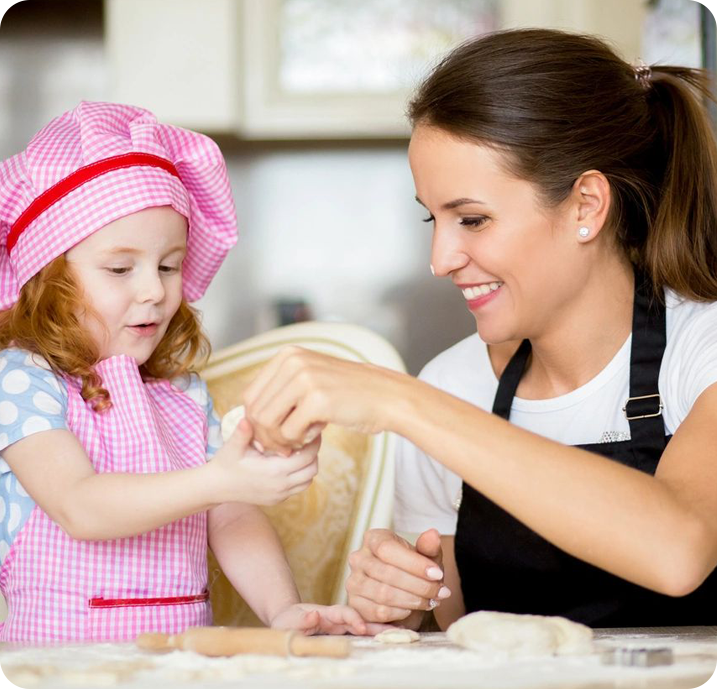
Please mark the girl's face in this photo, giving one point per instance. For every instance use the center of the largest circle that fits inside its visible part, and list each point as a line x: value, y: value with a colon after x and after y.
x: 131, y: 274
x: 514, y: 261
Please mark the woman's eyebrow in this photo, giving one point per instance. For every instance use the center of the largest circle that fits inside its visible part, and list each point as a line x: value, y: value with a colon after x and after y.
x: 460, y: 202
x: 454, y: 204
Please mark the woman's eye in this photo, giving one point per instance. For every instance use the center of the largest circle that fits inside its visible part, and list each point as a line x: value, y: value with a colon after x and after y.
x: 475, y: 221
x: 430, y: 218
x: 168, y: 269
x: 118, y: 271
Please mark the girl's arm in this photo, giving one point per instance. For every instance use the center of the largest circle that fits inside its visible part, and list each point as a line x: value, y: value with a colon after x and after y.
x: 250, y: 554
x: 53, y: 467
x: 659, y: 532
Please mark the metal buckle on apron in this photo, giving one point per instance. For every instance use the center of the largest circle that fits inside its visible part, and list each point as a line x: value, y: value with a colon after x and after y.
x: 138, y: 602
x: 649, y: 415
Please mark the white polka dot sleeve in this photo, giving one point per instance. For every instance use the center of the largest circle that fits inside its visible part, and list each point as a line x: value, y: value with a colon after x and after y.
x: 32, y: 397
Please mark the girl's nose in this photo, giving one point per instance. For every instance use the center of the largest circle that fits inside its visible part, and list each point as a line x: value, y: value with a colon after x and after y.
x: 151, y: 289
x: 447, y: 252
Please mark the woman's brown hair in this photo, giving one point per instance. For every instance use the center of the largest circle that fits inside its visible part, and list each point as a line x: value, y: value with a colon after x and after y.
x: 44, y: 321
x: 560, y: 104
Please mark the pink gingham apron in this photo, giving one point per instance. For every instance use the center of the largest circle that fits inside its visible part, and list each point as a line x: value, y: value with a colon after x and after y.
x: 62, y: 589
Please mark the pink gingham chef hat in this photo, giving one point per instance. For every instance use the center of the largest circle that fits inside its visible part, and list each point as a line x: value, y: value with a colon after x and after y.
x: 98, y: 163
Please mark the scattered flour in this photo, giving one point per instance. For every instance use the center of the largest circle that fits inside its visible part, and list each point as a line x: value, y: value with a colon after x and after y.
x: 433, y: 661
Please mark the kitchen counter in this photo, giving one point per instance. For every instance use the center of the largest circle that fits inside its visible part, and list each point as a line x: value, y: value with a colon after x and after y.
x: 432, y: 662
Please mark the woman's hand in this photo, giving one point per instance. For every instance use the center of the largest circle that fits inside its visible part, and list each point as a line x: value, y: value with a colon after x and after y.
x: 325, y: 619
x: 393, y: 581
x: 244, y: 475
x: 299, y: 391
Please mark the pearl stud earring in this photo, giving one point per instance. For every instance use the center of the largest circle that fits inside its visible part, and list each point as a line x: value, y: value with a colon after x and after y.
x: 433, y: 270
x: 584, y: 232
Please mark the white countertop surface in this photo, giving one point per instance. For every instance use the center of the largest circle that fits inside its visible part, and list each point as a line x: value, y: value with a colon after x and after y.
x: 431, y: 663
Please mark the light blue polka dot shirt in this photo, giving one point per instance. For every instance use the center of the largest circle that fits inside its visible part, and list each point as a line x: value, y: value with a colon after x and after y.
x: 34, y: 399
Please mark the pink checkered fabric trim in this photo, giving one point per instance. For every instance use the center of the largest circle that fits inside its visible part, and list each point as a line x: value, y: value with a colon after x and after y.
x: 94, y: 204
x: 93, y: 132
x: 49, y: 578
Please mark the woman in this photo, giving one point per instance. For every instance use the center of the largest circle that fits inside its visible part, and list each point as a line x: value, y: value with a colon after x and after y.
x: 574, y: 202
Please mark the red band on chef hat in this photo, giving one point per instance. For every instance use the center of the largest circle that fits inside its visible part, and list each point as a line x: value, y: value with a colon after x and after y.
x: 78, y: 178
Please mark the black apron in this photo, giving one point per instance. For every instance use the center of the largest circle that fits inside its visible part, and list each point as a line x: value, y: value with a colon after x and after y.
x: 505, y: 566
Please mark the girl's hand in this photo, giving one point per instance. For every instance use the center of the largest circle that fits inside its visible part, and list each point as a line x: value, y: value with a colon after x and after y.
x: 324, y: 619
x: 299, y: 391
x: 244, y: 475
x: 392, y: 581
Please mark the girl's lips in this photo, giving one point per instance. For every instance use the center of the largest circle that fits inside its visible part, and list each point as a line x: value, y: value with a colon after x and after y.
x: 478, y: 302
x: 144, y: 330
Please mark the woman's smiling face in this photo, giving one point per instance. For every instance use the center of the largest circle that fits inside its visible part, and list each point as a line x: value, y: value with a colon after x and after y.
x: 514, y: 259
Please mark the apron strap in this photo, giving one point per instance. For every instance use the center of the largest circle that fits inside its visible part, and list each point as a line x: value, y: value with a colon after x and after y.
x: 643, y: 408
x: 509, y: 380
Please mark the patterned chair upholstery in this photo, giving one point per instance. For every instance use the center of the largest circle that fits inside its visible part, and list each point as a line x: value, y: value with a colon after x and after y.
x: 353, y: 490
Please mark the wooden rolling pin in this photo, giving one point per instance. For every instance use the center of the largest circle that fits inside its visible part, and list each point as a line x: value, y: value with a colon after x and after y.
x: 229, y: 641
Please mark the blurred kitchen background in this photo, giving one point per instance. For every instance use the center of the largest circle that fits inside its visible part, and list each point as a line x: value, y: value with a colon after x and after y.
x: 306, y: 100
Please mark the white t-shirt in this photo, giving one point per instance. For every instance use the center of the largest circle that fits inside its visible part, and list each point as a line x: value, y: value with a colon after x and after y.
x: 427, y: 492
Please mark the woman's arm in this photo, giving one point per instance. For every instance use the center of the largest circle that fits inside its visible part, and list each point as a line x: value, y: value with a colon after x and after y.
x: 393, y: 581
x: 54, y: 469
x: 659, y: 532
x: 454, y: 607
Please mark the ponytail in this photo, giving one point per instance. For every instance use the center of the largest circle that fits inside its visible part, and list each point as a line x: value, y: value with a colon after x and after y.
x: 681, y: 248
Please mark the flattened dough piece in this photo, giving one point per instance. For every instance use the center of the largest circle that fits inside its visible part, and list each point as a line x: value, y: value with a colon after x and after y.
x: 520, y: 635
x: 397, y: 636
x: 231, y: 420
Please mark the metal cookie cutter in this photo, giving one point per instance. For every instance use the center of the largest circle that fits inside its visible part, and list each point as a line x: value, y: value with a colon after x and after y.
x: 638, y: 657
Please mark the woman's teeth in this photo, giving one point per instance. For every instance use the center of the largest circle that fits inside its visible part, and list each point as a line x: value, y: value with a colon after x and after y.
x: 480, y: 290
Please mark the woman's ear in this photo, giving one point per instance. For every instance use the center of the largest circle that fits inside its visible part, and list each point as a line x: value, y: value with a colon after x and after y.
x: 591, y: 201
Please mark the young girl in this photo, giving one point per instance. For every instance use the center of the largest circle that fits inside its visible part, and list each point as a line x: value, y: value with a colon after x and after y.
x: 109, y: 224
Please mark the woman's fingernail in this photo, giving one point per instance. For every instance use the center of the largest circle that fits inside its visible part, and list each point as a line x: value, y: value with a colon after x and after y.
x: 434, y: 573
x: 444, y: 592
x: 258, y: 446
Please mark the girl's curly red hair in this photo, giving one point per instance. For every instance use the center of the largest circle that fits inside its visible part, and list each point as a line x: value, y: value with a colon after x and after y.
x: 44, y: 321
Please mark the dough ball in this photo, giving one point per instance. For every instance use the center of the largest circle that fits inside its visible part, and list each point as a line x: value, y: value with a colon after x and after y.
x: 520, y: 635
x: 397, y: 636
x: 231, y: 420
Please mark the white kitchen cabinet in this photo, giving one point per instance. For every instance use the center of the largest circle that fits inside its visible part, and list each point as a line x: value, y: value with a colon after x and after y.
x: 619, y: 21
x: 216, y: 65
x: 178, y: 58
